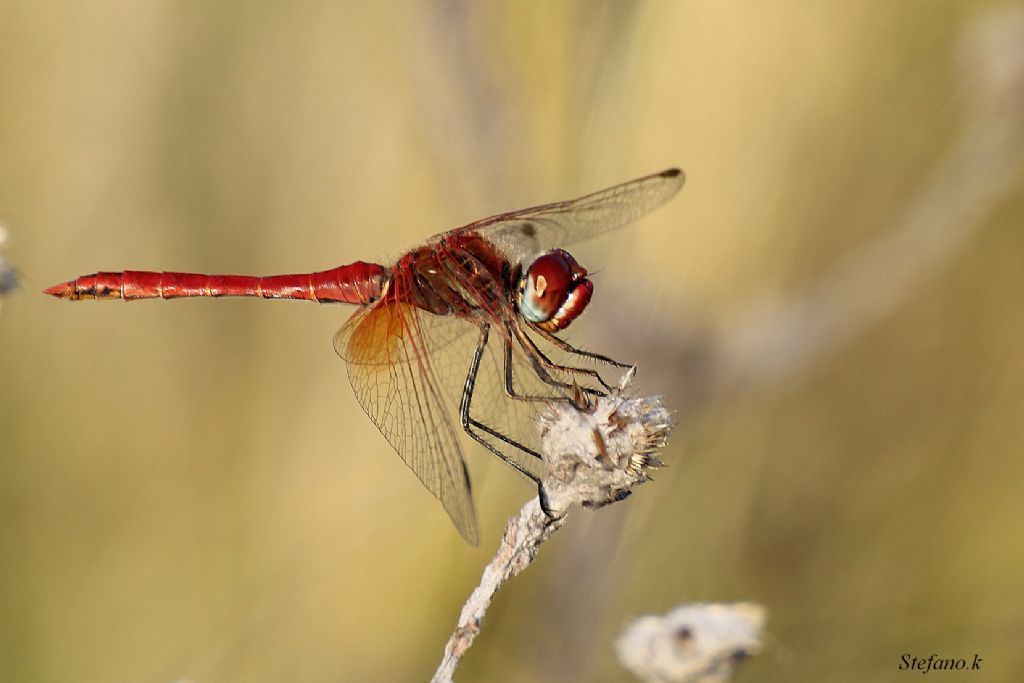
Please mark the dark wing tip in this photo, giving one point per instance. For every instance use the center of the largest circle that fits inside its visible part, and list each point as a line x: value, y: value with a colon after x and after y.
x: 672, y: 173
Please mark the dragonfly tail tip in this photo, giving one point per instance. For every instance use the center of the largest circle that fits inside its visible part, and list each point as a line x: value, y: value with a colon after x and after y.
x: 64, y: 290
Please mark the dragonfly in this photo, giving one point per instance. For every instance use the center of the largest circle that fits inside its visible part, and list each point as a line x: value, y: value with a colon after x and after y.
x: 465, y: 325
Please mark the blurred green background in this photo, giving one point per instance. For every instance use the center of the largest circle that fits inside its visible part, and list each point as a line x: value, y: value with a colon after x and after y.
x: 189, y: 489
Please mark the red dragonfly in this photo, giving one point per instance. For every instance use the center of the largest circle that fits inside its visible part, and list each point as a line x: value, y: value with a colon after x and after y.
x: 411, y: 357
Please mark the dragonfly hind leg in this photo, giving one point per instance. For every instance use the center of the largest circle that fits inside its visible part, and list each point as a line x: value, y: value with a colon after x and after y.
x: 469, y: 424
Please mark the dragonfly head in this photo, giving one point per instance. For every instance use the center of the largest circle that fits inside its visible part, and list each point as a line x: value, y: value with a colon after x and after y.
x: 554, y: 290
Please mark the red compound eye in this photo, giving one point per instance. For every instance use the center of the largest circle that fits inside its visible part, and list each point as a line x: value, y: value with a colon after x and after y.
x: 549, y: 292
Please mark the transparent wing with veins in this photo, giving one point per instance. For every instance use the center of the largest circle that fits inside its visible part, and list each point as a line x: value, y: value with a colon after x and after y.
x: 396, y: 382
x: 527, y: 232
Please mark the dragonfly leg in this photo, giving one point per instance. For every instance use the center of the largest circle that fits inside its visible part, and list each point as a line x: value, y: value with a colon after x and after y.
x: 469, y: 424
x: 542, y: 494
x: 539, y: 362
x: 545, y: 503
x: 538, y: 357
x: 569, y: 348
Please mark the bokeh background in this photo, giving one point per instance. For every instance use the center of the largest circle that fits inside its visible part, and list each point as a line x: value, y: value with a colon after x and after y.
x: 831, y: 306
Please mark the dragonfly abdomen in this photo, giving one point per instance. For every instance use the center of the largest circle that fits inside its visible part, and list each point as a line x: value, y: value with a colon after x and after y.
x: 355, y: 283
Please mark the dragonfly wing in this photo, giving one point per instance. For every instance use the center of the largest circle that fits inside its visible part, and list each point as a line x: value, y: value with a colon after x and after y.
x: 396, y: 384
x: 439, y: 333
x: 520, y: 234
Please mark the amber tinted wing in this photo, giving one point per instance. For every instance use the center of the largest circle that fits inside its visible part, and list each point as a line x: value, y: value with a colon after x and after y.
x: 522, y: 233
x: 395, y: 382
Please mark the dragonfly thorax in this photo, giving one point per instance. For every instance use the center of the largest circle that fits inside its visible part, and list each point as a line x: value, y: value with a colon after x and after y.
x: 554, y: 290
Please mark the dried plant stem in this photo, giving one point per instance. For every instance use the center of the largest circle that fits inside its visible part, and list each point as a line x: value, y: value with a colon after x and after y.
x: 523, y: 536
x: 595, y: 455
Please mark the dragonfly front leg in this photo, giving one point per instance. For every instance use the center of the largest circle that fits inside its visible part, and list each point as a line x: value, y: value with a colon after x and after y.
x: 569, y: 348
x: 538, y: 358
x: 469, y: 424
